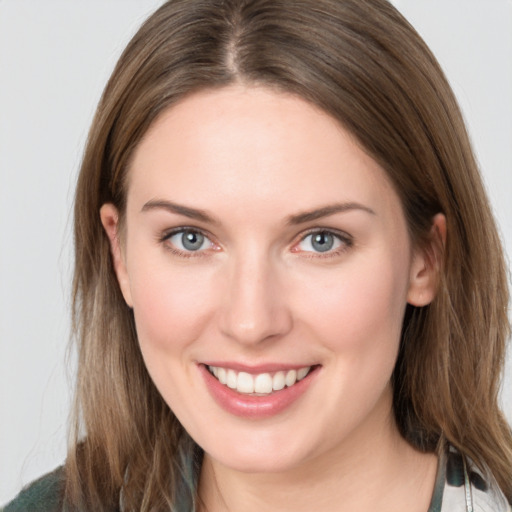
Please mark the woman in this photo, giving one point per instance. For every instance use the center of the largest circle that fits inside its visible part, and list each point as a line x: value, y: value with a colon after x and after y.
x: 278, y: 208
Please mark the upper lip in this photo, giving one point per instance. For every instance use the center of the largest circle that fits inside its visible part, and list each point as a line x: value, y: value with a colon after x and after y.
x: 258, y: 368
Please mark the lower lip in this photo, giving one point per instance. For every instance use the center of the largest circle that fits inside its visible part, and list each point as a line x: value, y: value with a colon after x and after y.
x: 251, y: 406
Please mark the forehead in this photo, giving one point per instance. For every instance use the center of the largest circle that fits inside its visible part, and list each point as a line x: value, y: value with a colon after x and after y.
x: 251, y: 146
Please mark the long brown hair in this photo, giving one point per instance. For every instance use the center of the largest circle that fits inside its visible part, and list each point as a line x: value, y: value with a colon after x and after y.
x: 361, y: 62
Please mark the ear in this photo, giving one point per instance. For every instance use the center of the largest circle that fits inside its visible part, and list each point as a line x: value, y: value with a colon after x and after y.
x: 110, y: 220
x: 427, y: 265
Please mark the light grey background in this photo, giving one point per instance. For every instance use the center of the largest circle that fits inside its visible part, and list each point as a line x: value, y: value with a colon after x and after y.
x: 55, y: 57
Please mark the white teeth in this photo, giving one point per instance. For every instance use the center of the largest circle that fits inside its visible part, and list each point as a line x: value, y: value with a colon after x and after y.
x: 278, y: 382
x: 291, y: 378
x: 263, y: 383
x: 245, y: 383
x: 302, y: 373
x: 221, y: 375
x: 231, y: 379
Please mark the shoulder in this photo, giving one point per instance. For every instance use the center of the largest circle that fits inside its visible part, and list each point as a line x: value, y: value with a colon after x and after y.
x: 467, y: 489
x: 43, y: 495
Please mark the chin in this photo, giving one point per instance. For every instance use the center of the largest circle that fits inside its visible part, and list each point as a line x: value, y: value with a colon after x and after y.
x: 259, y: 463
x: 260, y: 454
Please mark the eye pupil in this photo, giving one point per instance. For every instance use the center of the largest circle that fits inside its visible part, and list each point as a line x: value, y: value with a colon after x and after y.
x: 322, y: 242
x: 192, y: 241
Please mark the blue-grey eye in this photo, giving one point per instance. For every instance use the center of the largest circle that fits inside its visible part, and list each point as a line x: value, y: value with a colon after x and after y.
x: 189, y: 240
x: 320, y: 241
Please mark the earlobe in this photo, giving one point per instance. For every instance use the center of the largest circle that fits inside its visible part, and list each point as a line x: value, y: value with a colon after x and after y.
x: 110, y: 220
x: 427, y: 265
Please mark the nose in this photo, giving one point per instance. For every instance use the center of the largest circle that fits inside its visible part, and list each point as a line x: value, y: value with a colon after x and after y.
x: 254, y: 309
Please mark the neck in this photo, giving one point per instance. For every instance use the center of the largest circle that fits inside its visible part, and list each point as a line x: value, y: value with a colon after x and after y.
x: 373, y: 469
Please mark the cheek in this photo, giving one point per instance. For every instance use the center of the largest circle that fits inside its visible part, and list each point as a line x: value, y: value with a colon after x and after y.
x: 360, y: 310
x: 170, y: 305
x: 358, y: 319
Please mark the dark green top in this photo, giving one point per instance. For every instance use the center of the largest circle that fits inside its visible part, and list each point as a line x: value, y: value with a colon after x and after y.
x: 459, y: 487
x: 43, y: 495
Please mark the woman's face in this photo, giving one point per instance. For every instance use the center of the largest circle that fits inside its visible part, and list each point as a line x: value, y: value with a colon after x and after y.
x: 263, y: 245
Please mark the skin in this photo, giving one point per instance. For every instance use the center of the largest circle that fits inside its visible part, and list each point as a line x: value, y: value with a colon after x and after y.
x: 258, y: 292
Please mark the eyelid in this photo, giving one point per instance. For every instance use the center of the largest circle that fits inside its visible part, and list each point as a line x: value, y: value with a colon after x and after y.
x: 167, y: 234
x: 346, y: 239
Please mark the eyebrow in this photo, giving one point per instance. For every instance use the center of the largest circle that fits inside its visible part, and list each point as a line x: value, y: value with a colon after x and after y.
x: 186, y: 211
x: 325, y: 211
x: 299, y: 218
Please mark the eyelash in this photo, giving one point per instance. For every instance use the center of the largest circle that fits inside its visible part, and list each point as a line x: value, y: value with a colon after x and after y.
x: 184, y: 254
x: 345, y: 239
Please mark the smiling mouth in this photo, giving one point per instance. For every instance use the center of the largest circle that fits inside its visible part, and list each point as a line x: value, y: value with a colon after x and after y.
x: 261, y: 384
